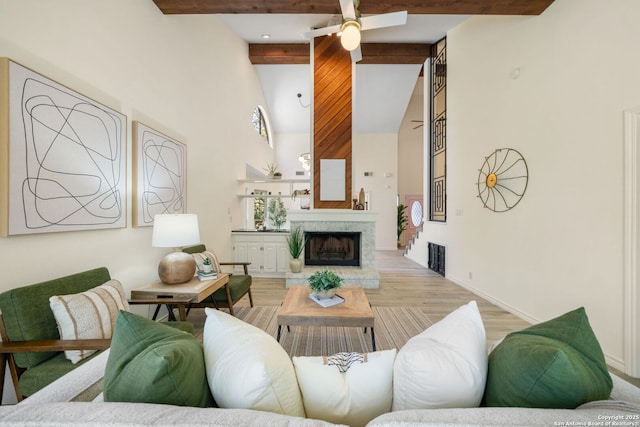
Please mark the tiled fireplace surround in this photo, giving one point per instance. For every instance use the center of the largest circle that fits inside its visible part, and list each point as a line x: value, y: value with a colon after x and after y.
x: 340, y: 220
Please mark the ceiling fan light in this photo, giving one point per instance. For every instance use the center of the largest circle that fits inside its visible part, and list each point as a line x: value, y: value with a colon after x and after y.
x: 350, y: 38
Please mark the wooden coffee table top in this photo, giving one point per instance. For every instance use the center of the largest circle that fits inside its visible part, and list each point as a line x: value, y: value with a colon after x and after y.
x: 299, y: 309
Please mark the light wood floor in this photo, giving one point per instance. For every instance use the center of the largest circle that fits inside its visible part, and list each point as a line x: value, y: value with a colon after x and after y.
x: 404, y: 283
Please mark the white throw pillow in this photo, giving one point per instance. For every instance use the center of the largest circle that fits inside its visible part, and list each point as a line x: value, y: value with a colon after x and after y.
x: 88, y: 315
x: 247, y: 368
x: 354, y: 397
x: 445, y: 366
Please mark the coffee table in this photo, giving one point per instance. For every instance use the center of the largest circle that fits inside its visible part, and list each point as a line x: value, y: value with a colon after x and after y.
x: 181, y: 295
x: 300, y: 310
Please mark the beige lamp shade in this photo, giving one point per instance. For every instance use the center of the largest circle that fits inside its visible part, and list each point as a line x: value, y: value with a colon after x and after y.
x: 175, y: 231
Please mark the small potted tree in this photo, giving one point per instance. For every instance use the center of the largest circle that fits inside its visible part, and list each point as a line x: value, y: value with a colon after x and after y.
x: 324, y: 283
x: 277, y: 213
x: 296, y: 242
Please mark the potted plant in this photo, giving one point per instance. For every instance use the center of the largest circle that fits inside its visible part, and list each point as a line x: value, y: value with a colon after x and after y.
x: 324, y: 283
x: 296, y: 242
x: 277, y: 212
x: 206, y: 265
x: 402, y: 221
x: 272, y: 170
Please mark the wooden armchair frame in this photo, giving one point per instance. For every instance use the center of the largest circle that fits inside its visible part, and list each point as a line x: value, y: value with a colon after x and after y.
x: 230, y: 303
x: 8, y: 348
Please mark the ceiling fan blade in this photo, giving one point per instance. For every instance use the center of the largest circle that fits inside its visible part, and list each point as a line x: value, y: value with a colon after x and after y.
x: 322, y: 31
x: 356, y: 54
x: 384, y: 20
x: 348, y: 9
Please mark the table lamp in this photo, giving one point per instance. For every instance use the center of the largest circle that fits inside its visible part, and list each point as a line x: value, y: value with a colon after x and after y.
x: 175, y: 231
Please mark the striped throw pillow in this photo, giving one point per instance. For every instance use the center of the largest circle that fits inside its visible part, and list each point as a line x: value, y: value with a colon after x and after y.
x: 88, y: 315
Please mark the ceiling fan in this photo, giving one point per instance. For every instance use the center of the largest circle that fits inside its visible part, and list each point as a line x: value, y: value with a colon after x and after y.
x: 353, y: 24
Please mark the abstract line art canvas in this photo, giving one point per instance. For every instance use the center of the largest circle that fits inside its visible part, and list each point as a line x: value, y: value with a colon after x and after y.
x: 160, y: 178
x: 66, y: 156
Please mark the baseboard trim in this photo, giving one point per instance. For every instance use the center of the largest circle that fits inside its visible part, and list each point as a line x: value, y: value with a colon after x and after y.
x: 524, y: 316
x: 614, y: 362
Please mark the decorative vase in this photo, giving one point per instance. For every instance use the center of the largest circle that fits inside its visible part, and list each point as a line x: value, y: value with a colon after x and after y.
x: 325, y: 294
x: 295, y: 265
x: 206, y: 268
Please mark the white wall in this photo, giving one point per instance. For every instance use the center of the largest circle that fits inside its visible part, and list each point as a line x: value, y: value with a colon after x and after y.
x: 411, y: 150
x: 410, y: 145
x: 288, y: 149
x: 187, y: 76
x: 561, y: 247
x: 378, y: 153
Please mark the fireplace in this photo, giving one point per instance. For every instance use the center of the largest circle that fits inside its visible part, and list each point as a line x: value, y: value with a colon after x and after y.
x: 338, y: 222
x: 332, y: 248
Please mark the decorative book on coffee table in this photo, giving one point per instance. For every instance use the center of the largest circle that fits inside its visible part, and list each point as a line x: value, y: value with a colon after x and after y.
x: 327, y: 302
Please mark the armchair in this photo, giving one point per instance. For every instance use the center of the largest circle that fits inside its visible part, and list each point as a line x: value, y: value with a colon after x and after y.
x: 31, y: 341
x: 239, y: 284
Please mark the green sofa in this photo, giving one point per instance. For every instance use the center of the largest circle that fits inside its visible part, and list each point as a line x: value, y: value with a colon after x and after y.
x: 28, y: 318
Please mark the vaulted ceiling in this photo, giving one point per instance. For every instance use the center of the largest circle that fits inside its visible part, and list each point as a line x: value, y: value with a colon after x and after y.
x: 380, y: 94
x: 281, y: 52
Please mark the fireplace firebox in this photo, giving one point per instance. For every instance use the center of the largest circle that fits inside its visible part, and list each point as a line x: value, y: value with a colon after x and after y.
x: 338, y: 248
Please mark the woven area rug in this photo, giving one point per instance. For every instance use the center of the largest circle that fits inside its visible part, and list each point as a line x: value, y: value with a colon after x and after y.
x: 393, y: 328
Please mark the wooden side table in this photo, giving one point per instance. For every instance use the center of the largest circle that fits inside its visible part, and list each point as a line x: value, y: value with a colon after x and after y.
x: 180, y: 295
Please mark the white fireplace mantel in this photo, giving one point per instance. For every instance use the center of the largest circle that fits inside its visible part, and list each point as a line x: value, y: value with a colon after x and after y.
x: 332, y: 215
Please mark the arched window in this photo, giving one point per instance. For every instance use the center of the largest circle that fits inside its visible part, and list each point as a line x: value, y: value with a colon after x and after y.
x: 260, y: 121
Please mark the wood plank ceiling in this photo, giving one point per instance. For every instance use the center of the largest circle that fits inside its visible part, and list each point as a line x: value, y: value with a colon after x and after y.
x: 332, y: 115
x: 373, y: 53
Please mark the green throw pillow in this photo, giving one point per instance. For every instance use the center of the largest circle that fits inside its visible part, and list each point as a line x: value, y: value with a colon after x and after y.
x: 555, y: 364
x: 154, y: 363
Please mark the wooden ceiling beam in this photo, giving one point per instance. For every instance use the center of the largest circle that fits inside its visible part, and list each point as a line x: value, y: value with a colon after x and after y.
x: 372, y: 53
x: 332, y: 7
x: 395, y: 53
x: 279, y: 53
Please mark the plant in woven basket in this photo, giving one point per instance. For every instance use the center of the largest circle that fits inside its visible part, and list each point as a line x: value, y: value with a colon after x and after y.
x: 324, y: 283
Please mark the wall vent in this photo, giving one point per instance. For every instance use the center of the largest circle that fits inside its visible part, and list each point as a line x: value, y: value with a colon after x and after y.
x: 436, y: 258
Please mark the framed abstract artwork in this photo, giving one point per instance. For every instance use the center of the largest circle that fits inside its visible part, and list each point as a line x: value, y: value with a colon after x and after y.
x: 63, y: 154
x: 159, y: 175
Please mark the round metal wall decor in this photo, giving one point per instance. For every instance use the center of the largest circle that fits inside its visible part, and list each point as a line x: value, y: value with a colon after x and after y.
x: 502, y: 180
